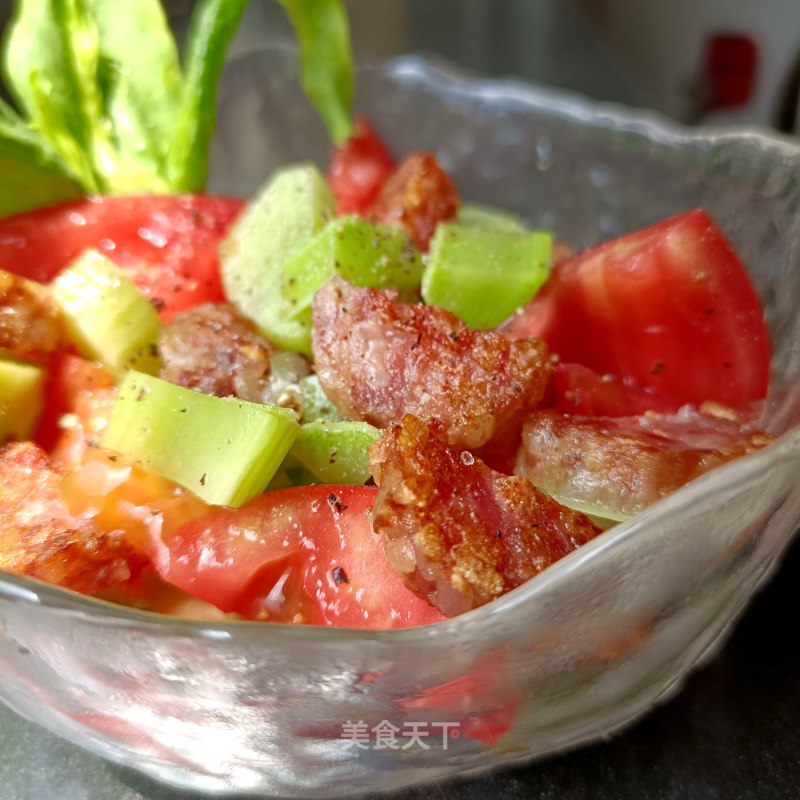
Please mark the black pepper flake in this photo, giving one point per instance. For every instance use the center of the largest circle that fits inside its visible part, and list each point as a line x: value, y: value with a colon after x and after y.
x: 332, y: 457
x: 112, y: 458
x: 658, y: 368
x: 158, y: 304
x: 203, y: 479
x: 141, y: 395
x: 335, y: 503
x: 339, y: 575
x: 416, y: 344
x: 498, y: 533
x: 455, y: 336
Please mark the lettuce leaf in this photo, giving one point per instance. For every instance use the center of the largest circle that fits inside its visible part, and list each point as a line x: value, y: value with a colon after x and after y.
x: 213, y: 25
x: 323, y: 34
x: 32, y: 175
x: 106, y: 106
x: 140, y: 80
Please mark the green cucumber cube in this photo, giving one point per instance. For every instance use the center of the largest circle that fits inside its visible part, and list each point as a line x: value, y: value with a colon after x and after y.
x: 106, y: 317
x: 487, y: 218
x: 363, y: 253
x: 484, y: 276
x: 293, y: 207
x: 21, y: 398
x: 316, y: 404
x: 335, y: 452
x: 223, y: 449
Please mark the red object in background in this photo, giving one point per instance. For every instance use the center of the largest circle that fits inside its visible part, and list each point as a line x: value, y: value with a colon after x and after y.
x: 359, y: 169
x: 729, y: 70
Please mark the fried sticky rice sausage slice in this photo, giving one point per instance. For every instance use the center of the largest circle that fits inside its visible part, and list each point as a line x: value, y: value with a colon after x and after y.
x: 623, y: 464
x: 378, y: 359
x: 38, y: 535
x: 460, y: 533
x: 29, y: 319
x: 216, y: 351
x: 417, y: 196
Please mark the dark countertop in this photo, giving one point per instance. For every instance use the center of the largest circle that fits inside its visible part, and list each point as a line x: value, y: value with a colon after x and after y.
x: 733, y: 731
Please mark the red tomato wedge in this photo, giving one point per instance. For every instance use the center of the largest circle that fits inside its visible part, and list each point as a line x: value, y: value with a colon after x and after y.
x: 359, y: 169
x: 306, y: 554
x: 579, y: 390
x: 167, y: 244
x: 668, y: 309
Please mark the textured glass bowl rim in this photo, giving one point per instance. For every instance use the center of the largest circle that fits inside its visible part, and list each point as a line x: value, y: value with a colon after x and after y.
x: 439, y: 76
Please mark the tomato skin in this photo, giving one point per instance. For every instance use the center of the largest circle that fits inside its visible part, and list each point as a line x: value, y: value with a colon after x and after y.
x: 668, y: 309
x: 167, y: 244
x: 359, y: 169
x: 306, y: 554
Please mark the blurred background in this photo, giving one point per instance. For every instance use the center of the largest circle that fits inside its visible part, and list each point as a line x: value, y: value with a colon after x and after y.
x: 728, y: 61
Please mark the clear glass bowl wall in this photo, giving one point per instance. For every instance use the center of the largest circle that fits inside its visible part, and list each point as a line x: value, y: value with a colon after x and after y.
x: 582, y: 650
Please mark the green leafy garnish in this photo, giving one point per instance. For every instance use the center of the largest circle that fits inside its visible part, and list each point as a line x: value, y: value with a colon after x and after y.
x: 213, y: 26
x: 105, y: 106
x: 327, y: 69
x: 31, y: 174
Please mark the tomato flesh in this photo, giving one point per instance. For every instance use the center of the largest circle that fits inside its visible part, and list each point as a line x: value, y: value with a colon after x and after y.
x: 168, y: 245
x: 302, y: 555
x: 359, y: 169
x: 579, y: 390
x: 668, y: 310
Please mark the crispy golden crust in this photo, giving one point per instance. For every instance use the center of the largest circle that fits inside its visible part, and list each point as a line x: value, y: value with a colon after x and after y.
x: 29, y: 321
x: 460, y: 533
x: 417, y: 196
x: 378, y: 359
x: 38, y: 535
x: 623, y: 464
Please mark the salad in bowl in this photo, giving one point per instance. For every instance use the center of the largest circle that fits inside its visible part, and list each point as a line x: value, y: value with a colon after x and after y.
x: 260, y: 436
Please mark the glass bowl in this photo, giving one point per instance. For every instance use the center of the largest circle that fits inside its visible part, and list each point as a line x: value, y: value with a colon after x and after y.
x: 577, y: 653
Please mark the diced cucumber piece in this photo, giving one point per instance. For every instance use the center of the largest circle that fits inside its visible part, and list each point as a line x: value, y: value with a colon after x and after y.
x: 316, y: 404
x: 106, y: 317
x: 597, y: 514
x: 293, y: 207
x: 335, y: 452
x: 365, y: 254
x: 484, y: 276
x: 292, y: 473
x: 487, y: 218
x: 223, y: 449
x: 21, y: 398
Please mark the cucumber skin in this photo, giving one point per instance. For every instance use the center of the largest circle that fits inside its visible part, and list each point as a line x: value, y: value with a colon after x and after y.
x: 335, y: 452
x: 223, y: 449
x: 295, y: 204
x: 483, y: 276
